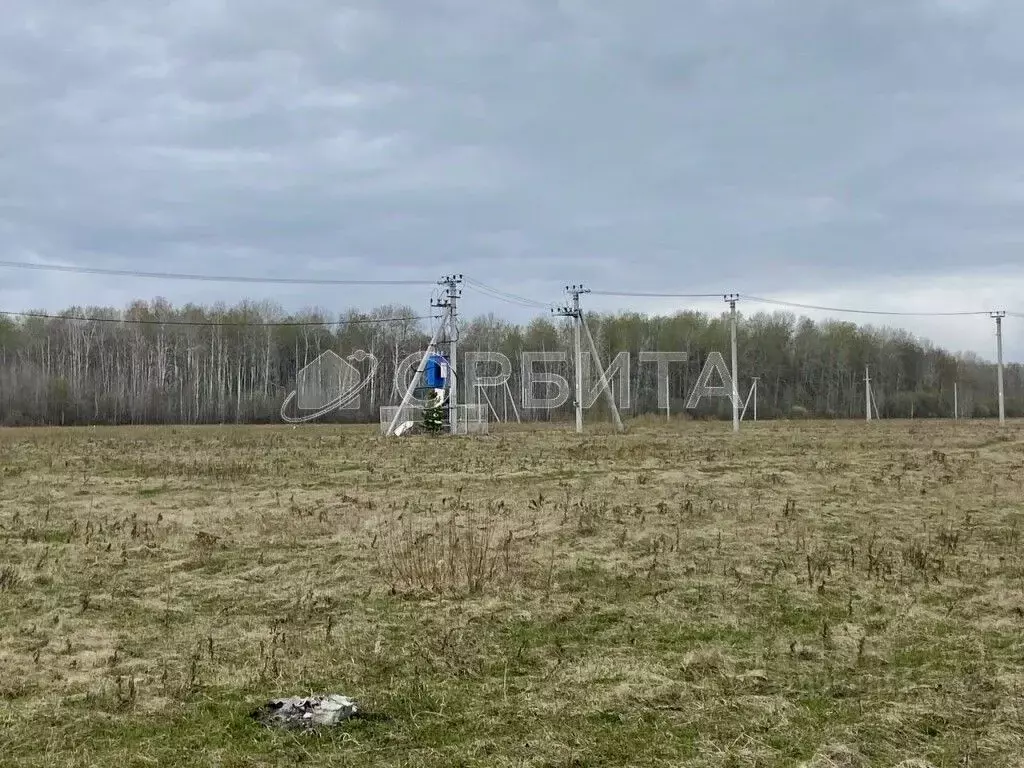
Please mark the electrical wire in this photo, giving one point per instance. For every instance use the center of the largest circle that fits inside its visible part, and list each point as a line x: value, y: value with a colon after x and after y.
x: 795, y: 305
x: 779, y: 302
x: 213, y: 324
x: 660, y: 295
x: 510, y: 298
x: 205, y: 278
x: 483, y: 288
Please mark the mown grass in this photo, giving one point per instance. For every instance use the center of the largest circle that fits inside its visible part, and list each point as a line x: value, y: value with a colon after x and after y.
x: 799, y: 594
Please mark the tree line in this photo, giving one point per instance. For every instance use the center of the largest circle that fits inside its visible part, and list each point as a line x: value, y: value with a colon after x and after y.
x: 154, y: 363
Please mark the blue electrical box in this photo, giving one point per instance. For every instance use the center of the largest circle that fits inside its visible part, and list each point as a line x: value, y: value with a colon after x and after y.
x: 436, y: 372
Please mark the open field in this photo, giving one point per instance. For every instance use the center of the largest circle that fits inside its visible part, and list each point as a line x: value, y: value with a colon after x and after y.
x: 804, y: 593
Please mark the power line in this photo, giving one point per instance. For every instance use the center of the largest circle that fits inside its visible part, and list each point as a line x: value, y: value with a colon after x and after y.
x: 496, y: 293
x: 781, y: 303
x: 204, y: 278
x: 660, y: 295
x: 215, y: 324
x: 507, y: 298
x: 795, y: 305
x: 510, y: 298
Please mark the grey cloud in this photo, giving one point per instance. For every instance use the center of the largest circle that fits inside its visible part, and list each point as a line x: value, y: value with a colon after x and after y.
x: 722, y: 144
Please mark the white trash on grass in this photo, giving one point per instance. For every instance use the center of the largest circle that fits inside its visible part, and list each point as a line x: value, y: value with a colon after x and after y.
x: 307, y: 711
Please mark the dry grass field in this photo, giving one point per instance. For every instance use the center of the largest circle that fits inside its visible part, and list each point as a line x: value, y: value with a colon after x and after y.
x: 803, y: 593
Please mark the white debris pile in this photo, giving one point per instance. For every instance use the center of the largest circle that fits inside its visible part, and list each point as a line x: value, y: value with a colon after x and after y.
x: 307, y: 712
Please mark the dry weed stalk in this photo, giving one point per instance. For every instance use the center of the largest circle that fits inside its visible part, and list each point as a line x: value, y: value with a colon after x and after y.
x: 463, y: 553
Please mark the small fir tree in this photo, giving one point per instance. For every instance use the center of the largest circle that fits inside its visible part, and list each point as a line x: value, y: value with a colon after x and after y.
x: 433, y: 414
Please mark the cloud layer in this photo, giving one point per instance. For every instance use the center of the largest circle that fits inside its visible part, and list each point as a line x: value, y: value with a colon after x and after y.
x: 862, y: 150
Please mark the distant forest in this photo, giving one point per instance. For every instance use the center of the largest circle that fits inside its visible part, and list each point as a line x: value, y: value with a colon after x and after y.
x: 219, y: 364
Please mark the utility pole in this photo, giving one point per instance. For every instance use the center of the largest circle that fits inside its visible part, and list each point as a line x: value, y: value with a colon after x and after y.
x: 867, y: 392
x: 668, y: 401
x: 576, y: 314
x: 999, y: 349
x: 450, y: 302
x: 731, y: 299
x: 579, y: 327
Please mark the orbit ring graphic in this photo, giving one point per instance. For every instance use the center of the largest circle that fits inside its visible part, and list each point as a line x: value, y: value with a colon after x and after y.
x: 341, y: 400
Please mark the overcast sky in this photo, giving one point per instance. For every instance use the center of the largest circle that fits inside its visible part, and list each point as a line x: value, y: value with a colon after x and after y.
x: 862, y: 153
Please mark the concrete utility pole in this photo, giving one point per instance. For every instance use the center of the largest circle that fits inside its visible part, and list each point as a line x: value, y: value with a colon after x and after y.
x: 867, y: 393
x: 668, y: 401
x: 576, y: 313
x: 999, y: 357
x: 450, y: 303
x: 731, y: 299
